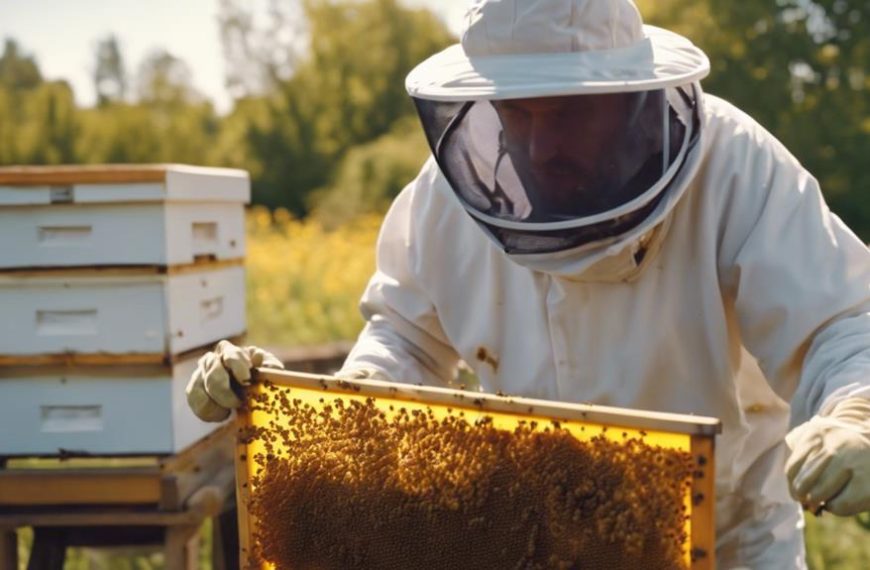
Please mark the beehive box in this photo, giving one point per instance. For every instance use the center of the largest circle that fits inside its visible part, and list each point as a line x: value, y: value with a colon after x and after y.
x: 118, y: 316
x: 97, y: 410
x: 367, y: 474
x: 149, y: 215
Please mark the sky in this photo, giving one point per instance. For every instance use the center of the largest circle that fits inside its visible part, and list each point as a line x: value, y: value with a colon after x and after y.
x: 63, y: 34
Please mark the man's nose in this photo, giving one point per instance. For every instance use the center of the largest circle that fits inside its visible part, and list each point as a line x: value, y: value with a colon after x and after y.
x: 545, y: 139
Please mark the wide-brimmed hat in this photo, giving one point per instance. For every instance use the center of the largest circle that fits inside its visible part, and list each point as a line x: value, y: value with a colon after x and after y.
x: 514, y: 49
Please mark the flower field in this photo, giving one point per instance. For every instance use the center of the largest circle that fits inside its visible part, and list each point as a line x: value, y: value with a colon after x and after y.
x: 304, y: 282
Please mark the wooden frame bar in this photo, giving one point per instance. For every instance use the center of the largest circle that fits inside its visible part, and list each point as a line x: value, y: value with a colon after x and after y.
x: 703, y: 504
x: 243, y: 491
x: 675, y: 423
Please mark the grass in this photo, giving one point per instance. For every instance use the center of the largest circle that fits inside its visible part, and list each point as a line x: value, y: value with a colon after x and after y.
x: 837, y: 543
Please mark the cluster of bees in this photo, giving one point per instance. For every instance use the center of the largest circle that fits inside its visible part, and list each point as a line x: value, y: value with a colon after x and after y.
x: 349, y: 484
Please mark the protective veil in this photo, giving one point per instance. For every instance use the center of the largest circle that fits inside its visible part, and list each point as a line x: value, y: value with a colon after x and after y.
x: 734, y: 292
x: 562, y: 127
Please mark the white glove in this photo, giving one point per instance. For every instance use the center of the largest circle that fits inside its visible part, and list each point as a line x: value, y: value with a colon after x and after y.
x: 829, y: 465
x: 210, y: 391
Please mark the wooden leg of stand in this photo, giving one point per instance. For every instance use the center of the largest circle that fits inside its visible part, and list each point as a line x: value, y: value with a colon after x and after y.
x: 8, y: 549
x: 181, y: 550
x: 49, y: 549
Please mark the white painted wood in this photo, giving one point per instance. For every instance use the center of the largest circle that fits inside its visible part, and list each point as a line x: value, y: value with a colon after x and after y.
x: 186, y: 427
x: 194, y: 185
x: 115, y: 193
x: 182, y: 184
x: 142, y: 314
x: 97, y: 410
x: 205, y: 306
x: 24, y: 195
x: 172, y: 233
x: 193, y: 230
x: 175, y: 183
x: 82, y: 194
x: 70, y: 236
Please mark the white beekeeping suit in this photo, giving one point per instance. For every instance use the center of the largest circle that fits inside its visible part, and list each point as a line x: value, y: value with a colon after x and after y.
x: 718, y: 283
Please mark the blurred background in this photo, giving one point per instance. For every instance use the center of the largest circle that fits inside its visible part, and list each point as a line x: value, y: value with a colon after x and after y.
x: 308, y: 96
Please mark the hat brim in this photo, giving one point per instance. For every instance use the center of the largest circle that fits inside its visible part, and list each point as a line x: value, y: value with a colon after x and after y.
x: 662, y: 59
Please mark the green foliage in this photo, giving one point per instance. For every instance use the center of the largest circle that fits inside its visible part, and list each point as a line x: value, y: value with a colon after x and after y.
x: 165, y: 82
x: 138, y: 133
x: 110, y: 76
x: 41, y: 124
x: 18, y: 71
x: 38, y: 125
x: 836, y: 544
x: 347, y: 90
x: 372, y: 174
x: 801, y: 69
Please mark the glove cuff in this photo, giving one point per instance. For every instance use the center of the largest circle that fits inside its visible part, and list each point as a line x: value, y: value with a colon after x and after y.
x: 854, y: 410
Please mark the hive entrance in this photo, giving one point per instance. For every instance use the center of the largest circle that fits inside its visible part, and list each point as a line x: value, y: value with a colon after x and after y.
x: 341, y: 480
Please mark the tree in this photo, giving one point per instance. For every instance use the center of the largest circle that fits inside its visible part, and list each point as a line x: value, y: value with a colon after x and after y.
x: 346, y: 89
x: 39, y: 120
x: 110, y: 76
x: 52, y: 125
x: 164, y: 80
x: 800, y: 68
x: 170, y: 122
x: 18, y: 71
x: 260, y: 55
x: 371, y: 175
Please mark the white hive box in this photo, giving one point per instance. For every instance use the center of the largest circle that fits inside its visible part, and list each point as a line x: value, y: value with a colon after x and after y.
x: 113, y: 280
x: 118, y: 316
x: 121, y: 215
x: 104, y: 410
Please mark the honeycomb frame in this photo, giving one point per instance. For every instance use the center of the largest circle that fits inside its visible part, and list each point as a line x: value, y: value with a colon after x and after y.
x: 700, y: 431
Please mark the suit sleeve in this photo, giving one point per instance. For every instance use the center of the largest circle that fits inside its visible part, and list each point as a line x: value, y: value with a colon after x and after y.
x: 403, y: 338
x: 798, y: 277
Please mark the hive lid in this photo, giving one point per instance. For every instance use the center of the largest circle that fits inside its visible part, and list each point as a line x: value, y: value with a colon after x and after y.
x: 40, y: 185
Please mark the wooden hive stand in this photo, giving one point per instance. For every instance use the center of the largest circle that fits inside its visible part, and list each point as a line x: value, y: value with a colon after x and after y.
x: 156, y: 501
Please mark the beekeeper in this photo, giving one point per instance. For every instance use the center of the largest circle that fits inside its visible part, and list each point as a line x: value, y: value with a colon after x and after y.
x: 592, y: 227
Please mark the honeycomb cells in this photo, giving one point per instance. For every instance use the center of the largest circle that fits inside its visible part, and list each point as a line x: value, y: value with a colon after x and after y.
x: 345, y: 483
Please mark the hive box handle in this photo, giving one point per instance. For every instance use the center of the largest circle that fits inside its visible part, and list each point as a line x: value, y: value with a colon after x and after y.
x: 205, y: 239
x: 66, y: 322
x: 211, y: 309
x: 70, y: 419
x: 64, y: 235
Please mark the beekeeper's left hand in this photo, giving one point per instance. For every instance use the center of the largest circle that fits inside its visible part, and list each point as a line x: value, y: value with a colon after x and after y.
x: 210, y: 392
x: 829, y: 465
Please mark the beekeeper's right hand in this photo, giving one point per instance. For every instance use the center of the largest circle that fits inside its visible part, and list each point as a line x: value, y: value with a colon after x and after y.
x: 210, y: 391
